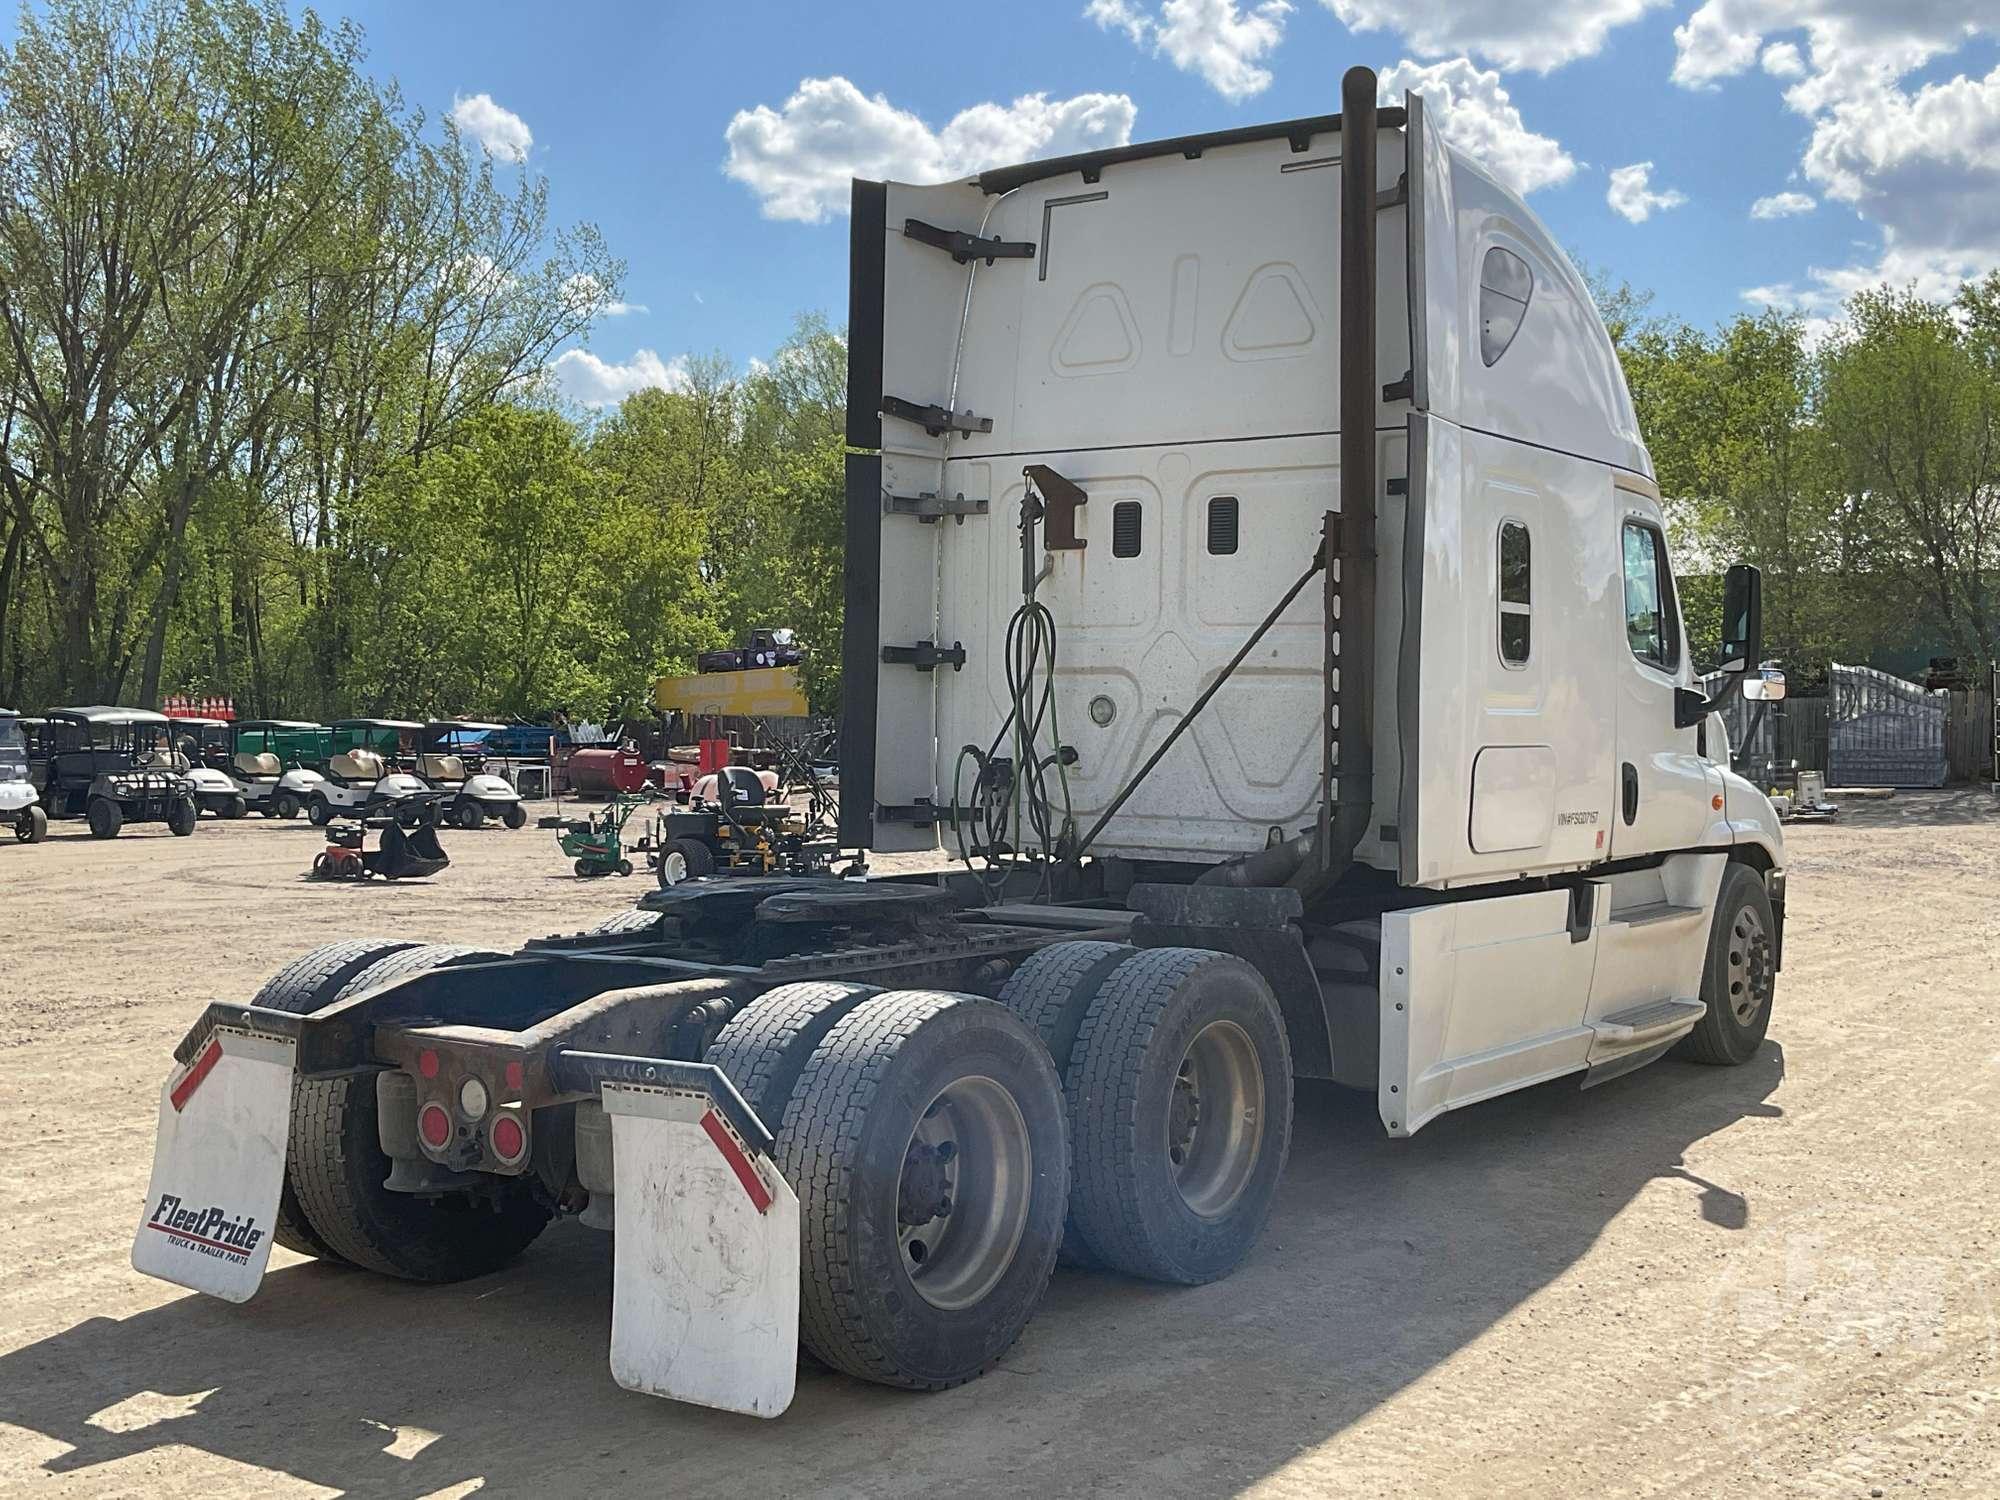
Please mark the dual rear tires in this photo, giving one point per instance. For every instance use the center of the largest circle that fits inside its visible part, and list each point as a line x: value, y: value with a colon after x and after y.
x: 925, y: 1135
x: 1177, y: 1082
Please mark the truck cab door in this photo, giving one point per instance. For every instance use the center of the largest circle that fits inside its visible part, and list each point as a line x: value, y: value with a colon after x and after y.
x: 1662, y: 797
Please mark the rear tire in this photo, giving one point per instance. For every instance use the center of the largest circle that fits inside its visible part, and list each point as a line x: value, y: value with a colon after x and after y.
x: 339, y: 1167
x: 319, y: 811
x: 766, y: 1045
x: 106, y: 818
x: 1738, y: 979
x: 182, y: 817
x: 302, y: 987
x: 1178, y: 1042
x: 695, y: 859
x: 286, y: 805
x: 636, y: 920
x: 887, y: 1293
x: 471, y: 815
x: 1052, y: 991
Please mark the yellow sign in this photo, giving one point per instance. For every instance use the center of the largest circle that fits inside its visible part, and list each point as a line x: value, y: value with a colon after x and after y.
x: 763, y: 692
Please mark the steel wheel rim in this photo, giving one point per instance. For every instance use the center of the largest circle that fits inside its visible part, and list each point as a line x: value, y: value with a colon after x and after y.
x: 967, y: 1179
x: 1749, y: 949
x: 1215, y: 1119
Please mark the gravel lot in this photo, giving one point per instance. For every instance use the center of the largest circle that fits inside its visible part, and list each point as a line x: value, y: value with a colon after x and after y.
x: 1774, y: 1280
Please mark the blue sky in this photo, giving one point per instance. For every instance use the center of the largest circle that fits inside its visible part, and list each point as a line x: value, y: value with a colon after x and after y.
x: 709, y: 142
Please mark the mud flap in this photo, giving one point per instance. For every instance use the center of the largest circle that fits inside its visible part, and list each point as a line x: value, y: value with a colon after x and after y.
x: 705, y: 1292
x: 218, y: 1166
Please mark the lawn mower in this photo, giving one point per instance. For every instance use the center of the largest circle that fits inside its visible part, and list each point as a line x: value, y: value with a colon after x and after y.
x: 739, y: 825
x: 407, y: 846
x: 451, y: 758
x: 18, y: 803
x: 597, y: 843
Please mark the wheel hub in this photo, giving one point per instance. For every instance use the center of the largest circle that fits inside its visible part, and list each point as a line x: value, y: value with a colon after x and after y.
x: 1749, y: 965
x: 1215, y: 1119
x: 963, y: 1193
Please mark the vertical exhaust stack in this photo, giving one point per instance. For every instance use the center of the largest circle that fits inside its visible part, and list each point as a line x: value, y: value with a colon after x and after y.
x: 1348, y: 795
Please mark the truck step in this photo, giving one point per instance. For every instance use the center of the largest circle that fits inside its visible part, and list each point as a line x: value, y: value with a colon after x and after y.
x: 1654, y: 911
x: 1654, y: 1019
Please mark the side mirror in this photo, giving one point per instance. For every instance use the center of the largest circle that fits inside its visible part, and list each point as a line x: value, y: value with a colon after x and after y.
x: 1742, y: 618
x: 1765, y: 685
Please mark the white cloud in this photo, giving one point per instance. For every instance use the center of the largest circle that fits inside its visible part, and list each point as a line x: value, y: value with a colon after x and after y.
x: 1211, y: 38
x: 1476, y: 115
x: 1117, y: 14
x: 1922, y: 166
x: 1534, y: 34
x: 1631, y: 193
x: 1782, y: 60
x: 500, y: 131
x: 1782, y: 206
x: 798, y: 159
x: 590, y: 381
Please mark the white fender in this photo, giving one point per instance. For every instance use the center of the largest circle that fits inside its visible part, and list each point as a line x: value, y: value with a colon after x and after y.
x: 485, y: 788
x: 218, y: 1165
x: 16, y: 795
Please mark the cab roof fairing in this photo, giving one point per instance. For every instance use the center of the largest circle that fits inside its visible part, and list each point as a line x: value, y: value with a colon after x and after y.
x: 1580, y: 370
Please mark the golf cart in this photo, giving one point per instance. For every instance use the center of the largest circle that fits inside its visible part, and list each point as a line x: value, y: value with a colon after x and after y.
x: 204, y: 746
x: 114, y: 766
x: 451, y: 758
x: 363, y: 774
x: 18, y: 803
x: 273, y: 763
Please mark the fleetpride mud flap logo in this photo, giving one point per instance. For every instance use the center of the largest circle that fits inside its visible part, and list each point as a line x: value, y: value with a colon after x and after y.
x: 206, y: 1230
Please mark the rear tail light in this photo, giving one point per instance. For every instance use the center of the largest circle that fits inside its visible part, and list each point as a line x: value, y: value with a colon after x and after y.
x: 509, y: 1138
x: 435, y: 1126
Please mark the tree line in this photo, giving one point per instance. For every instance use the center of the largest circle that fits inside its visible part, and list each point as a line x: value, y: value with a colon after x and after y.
x: 275, y: 419
x: 1856, y: 461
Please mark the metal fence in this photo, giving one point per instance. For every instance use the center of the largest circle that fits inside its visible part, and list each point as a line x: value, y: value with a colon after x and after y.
x: 1796, y: 733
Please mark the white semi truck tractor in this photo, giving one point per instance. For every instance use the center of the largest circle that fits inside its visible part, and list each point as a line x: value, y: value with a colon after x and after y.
x: 1255, y: 572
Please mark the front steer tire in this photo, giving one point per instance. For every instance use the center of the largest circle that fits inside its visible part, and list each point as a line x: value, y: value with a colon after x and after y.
x: 338, y: 1168
x: 182, y: 817
x: 106, y: 818
x: 856, y: 1146
x: 1180, y: 1108
x: 1738, y: 977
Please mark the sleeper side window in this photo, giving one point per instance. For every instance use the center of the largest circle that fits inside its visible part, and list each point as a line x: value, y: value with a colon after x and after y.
x: 1652, y: 626
x: 1516, y: 594
x: 1505, y: 285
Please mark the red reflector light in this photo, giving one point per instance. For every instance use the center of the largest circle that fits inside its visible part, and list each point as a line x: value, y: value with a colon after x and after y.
x: 509, y: 1139
x: 515, y: 1077
x: 427, y: 1063
x: 434, y: 1125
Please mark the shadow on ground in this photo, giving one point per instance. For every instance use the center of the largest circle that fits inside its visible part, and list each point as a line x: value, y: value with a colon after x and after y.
x: 1945, y: 807
x: 1384, y: 1258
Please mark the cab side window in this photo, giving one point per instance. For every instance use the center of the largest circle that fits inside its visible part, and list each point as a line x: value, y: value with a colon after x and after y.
x: 1652, y: 625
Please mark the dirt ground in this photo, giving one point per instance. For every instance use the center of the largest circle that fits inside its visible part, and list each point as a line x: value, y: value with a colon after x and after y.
x: 1773, y: 1280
